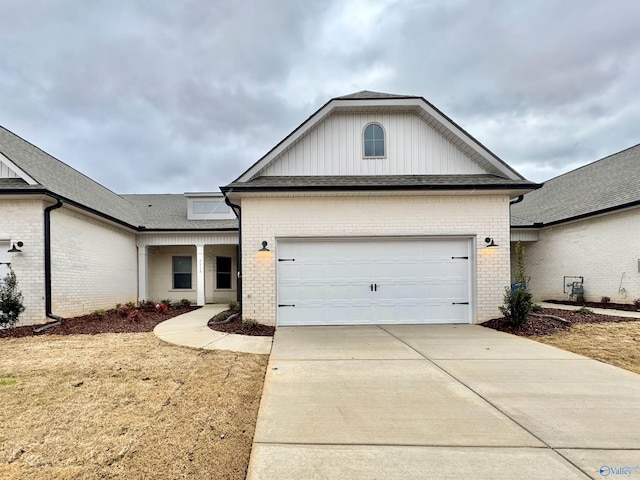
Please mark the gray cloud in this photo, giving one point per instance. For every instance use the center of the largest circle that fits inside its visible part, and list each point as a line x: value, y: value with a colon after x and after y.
x: 183, y: 96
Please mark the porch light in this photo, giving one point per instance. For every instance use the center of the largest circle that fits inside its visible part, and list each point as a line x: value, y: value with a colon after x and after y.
x: 264, y: 247
x: 15, y: 249
x: 490, y: 243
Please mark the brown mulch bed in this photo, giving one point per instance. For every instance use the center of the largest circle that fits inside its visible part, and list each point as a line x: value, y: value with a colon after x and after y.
x: 538, y: 326
x: 111, y: 322
x: 236, y: 326
x: 627, y: 307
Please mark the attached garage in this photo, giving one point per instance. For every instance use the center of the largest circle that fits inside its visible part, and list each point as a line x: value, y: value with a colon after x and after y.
x: 347, y: 281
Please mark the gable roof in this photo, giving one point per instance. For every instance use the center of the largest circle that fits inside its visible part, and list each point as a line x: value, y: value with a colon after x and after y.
x: 606, y: 185
x: 37, y: 172
x: 363, y: 100
x: 58, y: 178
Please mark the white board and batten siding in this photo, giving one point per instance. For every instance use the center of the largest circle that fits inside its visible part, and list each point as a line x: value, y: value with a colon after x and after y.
x: 341, y: 281
x: 6, y: 172
x: 334, y: 147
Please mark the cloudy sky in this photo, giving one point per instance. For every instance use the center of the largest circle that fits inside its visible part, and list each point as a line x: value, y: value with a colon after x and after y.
x: 172, y: 96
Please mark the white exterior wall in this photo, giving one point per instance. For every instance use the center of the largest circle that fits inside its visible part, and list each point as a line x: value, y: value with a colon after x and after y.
x: 212, y: 294
x: 605, y: 250
x: 94, y: 264
x: 271, y: 218
x: 161, y: 273
x: 334, y: 147
x: 22, y: 220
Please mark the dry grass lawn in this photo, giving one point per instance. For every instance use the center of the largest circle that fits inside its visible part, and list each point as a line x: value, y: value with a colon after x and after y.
x: 125, y: 406
x: 614, y: 343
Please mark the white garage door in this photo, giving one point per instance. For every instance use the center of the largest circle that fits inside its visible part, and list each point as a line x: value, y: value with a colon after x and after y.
x: 369, y: 281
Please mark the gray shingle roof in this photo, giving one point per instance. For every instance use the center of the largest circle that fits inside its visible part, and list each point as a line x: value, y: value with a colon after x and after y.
x: 369, y: 95
x: 606, y: 184
x: 379, y: 182
x: 59, y: 178
x: 169, y: 212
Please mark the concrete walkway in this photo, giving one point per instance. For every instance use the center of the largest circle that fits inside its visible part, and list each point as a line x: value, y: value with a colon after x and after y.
x: 602, y: 311
x: 441, y: 402
x: 191, y: 330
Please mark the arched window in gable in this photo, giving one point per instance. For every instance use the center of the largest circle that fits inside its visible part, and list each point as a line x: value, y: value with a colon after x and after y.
x: 373, y: 141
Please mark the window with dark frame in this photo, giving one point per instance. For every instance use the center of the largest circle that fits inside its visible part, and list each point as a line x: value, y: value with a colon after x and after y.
x: 373, y: 140
x: 181, y: 273
x: 223, y: 273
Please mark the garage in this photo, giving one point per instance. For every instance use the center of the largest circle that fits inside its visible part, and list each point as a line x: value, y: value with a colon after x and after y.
x: 338, y: 281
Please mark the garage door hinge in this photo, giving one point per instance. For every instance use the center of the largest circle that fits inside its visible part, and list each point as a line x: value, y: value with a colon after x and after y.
x: 285, y: 305
x: 464, y: 258
x: 286, y: 259
x: 459, y: 303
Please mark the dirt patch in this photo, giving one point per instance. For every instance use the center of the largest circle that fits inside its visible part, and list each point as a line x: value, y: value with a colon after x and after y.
x: 237, y: 326
x: 616, y: 343
x: 610, y: 339
x: 111, y: 321
x: 125, y: 406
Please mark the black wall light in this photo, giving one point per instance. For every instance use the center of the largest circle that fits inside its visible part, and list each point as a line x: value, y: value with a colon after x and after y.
x: 490, y: 243
x: 15, y: 249
x: 264, y: 247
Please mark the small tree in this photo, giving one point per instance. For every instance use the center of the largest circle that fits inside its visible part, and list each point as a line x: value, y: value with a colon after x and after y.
x: 517, y: 300
x: 10, y: 300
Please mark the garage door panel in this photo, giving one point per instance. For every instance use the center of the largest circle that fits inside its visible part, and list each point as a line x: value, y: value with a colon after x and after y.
x: 373, y: 281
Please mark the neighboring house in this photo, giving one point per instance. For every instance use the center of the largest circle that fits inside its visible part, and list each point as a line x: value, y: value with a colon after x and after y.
x: 86, y: 248
x: 585, y: 223
x: 374, y: 210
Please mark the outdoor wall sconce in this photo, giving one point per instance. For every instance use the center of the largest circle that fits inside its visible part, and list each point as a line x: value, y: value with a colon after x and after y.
x: 15, y: 249
x: 264, y: 247
x: 490, y: 243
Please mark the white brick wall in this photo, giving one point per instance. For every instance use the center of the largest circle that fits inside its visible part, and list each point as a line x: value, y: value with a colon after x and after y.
x: 22, y: 220
x: 270, y: 218
x: 94, y: 264
x: 605, y: 250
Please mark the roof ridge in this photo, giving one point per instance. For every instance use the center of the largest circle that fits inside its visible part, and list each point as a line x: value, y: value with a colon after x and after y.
x: 370, y: 94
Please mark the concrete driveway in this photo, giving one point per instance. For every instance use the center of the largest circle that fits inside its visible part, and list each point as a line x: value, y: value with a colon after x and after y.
x: 440, y: 401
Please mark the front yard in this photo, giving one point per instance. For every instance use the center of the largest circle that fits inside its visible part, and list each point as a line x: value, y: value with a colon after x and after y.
x: 607, y: 338
x: 614, y: 343
x: 125, y: 406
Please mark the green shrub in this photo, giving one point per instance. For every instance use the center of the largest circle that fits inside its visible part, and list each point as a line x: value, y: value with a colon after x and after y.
x: 167, y: 302
x: 249, y: 323
x: 580, y: 297
x: 11, y: 305
x: 100, y: 313
x: 517, y: 305
x: 584, y: 311
x: 536, y: 308
x: 185, y: 302
x: 235, y: 306
x: 605, y: 301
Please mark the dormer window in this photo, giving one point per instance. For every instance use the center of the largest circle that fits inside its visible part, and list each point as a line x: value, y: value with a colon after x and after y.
x: 207, y: 206
x: 373, y: 141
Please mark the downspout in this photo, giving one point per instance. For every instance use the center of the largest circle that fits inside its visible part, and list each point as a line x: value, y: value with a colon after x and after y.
x: 238, y: 211
x: 47, y: 269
